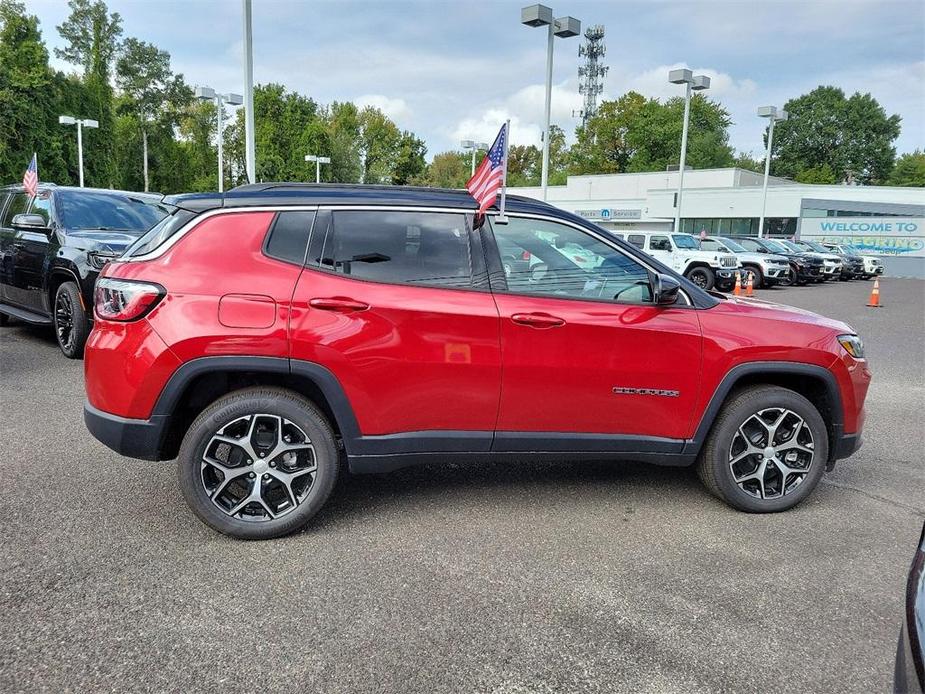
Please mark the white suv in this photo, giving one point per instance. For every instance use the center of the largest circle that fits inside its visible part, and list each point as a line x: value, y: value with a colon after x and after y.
x: 765, y: 269
x: 681, y: 252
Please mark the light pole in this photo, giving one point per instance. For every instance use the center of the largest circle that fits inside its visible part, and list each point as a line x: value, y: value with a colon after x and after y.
x: 248, y: 92
x: 696, y: 83
x: 772, y: 114
x: 563, y: 27
x: 475, y: 147
x: 208, y: 94
x: 81, y: 124
x: 318, y: 162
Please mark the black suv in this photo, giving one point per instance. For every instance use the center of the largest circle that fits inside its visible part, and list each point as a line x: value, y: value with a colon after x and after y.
x: 804, y: 268
x: 52, y: 247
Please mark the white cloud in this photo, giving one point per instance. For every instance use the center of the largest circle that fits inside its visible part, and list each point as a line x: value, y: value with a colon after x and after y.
x: 397, y: 109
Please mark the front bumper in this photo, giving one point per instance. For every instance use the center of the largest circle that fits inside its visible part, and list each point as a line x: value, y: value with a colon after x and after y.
x: 133, y: 438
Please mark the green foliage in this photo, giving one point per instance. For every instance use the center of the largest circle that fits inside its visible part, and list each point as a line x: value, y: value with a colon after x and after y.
x: 448, y: 170
x: 909, y: 170
x: 743, y: 160
x: 853, y: 136
x: 818, y: 174
x: 633, y: 133
x: 410, y: 163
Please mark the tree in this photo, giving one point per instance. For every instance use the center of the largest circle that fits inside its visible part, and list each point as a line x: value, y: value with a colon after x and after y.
x: 909, y: 170
x: 409, y: 162
x: 379, y: 139
x: 558, y: 157
x: 523, y: 165
x: 744, y: 160
x: 638, y: 134
x: 853, y: 136
x: 817, y: 174
x: 143, y: 74
x: 92, y: 40
x: 447, y: 170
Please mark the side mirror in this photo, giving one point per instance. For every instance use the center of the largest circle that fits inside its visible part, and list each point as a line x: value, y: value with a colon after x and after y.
x: 665, y: 289
x: 30, y: 222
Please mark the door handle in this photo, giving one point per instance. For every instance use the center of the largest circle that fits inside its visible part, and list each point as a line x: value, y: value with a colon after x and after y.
x: 338, y: 303
x: 537, y: 320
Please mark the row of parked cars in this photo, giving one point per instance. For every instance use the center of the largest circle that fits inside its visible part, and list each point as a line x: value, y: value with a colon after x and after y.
x: 715, y: 261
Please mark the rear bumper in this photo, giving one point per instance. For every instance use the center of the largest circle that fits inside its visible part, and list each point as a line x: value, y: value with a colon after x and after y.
x: 134, y: 438
x: 845, y: 446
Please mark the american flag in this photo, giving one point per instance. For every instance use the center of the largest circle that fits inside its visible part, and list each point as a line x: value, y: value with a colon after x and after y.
x: 30, y: 179
x: 489, y: 177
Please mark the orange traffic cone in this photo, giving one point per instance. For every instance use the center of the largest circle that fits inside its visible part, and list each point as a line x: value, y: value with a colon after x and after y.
x: 738, y: 288
x: 750, y: 285
x: 874, y: 301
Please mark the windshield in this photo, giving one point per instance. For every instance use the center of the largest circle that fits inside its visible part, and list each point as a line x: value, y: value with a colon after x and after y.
x: 732, y: 245
x: 776, y: 247
x: 685, y: 241
x: 818, y: 247
x: 792, y: 246
x: 79, y: 210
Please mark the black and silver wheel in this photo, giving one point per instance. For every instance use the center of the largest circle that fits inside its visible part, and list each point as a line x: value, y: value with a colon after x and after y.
x: 70, y: 320
x: 258, y: 463
x: 767, y: 451
x: 703, y: 277
x: 756, y: 275
x: 788, y: 279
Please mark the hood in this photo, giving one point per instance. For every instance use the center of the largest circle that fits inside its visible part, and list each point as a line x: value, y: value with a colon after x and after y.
x: 101, y: 239
x: 758, y: 257
x: 759, y: 308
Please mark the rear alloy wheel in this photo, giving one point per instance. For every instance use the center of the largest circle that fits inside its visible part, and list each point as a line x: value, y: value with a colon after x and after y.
x: 70, y: 319
x: 703, y: 277
x: 767, y: 451
x: 258, y: 463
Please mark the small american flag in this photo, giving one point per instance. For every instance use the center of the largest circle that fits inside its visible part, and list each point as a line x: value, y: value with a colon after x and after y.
x: 30, y: 179
x: 489, y: 177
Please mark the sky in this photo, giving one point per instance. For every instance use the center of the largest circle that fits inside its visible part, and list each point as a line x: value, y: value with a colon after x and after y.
x: 456, y: 70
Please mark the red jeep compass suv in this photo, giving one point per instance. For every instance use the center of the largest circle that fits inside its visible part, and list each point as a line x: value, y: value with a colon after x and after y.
x: 259, y: 335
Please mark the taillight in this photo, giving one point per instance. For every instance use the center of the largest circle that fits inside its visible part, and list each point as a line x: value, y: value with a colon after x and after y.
x: 125, y: 300
x: 525, y: 255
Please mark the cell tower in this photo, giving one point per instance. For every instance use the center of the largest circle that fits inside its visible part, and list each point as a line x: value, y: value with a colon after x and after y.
x: 592, y: 72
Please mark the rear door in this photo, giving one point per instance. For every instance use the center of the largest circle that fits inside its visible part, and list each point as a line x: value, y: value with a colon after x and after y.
x: 33, y: 248
x: 11, y: 278
x: 396, y: 304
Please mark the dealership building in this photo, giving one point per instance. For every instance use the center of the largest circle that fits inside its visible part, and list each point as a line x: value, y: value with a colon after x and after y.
x: 885, y: 221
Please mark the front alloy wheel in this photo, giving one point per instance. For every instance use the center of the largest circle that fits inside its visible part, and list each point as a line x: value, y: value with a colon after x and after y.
x: 766, y: 451
x: 70, y: 320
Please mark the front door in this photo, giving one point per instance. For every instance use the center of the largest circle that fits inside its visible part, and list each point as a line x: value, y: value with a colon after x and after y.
x: 33, y: 250
x: 396, y: 304
x: 585, y: 351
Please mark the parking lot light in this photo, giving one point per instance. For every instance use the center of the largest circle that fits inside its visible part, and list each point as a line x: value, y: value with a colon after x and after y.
x: 563, y: 27
x: 81, y: 124
x: 773, y: 115
x: 318, y: 162
x: 209, y: 94
x: 475, y: 147
x: 692, y: 82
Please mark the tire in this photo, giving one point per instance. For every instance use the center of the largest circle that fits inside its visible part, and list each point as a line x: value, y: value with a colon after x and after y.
x: 278, y: 412
x: 789, y: 279
x: 703, y: 277
x: 726, y: 442
x: 757, y: 276
x: 70, y: 321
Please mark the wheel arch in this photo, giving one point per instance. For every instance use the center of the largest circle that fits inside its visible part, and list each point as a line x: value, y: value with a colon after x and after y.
x: 816, y: 383
x: 58, y: 275
x: 199, y: 382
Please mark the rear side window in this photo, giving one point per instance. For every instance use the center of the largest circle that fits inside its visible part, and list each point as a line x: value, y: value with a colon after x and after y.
x: 288, y: 237
x: 419, y: 248
x: 637, y: 240
x: 18, y: 205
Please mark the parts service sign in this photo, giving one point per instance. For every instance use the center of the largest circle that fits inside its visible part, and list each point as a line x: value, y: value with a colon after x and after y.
x: 903, y: 236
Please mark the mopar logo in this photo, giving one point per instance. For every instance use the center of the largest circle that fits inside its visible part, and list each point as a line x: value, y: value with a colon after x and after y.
x: 617, y: 390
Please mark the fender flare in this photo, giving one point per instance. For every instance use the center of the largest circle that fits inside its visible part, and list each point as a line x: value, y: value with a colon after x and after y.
x: 326, y: 382
x: 737, y: 373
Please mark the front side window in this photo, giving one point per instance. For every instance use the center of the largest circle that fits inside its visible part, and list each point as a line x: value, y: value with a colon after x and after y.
x: 685, y: 241
x: 419, y: 248
x: 551, y: 259
x: 42, y: 206
x: 659, y: 243
x: 18, y: 205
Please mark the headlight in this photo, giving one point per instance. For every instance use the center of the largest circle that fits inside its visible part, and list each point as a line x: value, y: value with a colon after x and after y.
x: 853, y: 345
x: 98, y: 259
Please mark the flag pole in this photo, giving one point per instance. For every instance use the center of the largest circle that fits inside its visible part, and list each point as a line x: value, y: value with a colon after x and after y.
x: 502, y: 218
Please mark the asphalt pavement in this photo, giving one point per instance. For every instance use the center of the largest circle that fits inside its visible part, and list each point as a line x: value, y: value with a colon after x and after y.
x: 552, y: 577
